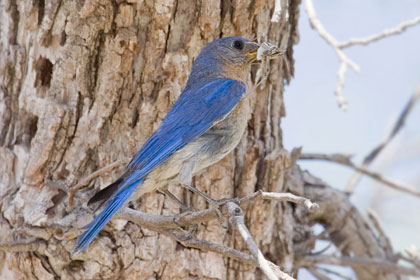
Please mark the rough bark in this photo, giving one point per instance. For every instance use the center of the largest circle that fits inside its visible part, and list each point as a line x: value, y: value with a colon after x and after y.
x: 85, y: 83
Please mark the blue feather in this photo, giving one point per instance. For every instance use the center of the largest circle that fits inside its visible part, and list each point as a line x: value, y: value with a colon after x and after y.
x: 100, y: 221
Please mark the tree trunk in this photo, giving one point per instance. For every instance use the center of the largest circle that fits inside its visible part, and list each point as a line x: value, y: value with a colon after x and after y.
x: 84, y: 84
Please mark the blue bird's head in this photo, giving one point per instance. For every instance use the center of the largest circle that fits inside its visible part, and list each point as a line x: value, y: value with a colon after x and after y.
x: 228, y: 57
x: 232, y: 50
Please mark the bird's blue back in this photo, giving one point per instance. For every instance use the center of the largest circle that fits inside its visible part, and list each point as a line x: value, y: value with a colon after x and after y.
x: 197, y: 109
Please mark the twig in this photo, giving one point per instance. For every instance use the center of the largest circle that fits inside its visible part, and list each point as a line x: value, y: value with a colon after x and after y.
x: 378, y: 149
x: 312, y: 207
x: 213, y: 247
x: 338, y: 47
x: 236, y: 218
x: 154, y: 221
x: 413, y: 255
x: 382, y: 238
x: 92, y: 176
x: 382, y: 264
x: 319, y: 275
x: 345, y: 160
x: 344, y: 60
x: 333, y: 272
x: 386, y: 33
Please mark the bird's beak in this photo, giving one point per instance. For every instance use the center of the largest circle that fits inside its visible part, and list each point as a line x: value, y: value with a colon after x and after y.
x: 252, y: 50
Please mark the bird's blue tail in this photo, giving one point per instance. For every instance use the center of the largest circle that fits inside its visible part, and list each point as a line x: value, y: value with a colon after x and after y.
x: 99, y: 222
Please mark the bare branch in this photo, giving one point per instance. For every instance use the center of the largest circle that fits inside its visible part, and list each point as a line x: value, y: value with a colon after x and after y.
x: 378, y: 149
x: 312, y: 207
x: 319, y: 275
x: 344, y: 60
x: 382, y: 238
x: 413, y: 255
x: 382, y: 264
x: 338, y: 47
x: 92, y: 176
x: 333, y: 272
x: 386, y: 33
x: 154, y: 221
x: 213, y: 247
x: 236, y: 218
x: 345, y: 160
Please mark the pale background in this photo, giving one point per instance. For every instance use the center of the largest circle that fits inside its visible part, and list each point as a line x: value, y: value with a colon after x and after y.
x: 390, y: 71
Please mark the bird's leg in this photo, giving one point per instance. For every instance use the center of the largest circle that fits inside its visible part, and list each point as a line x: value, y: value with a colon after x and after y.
x: 210, y: 200
x: 200, y: 193
x: 186, y: 211
x: 185, y: 177
x: 184, y: 207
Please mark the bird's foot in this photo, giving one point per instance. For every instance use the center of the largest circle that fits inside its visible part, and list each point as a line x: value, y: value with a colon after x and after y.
x: 217, y: 205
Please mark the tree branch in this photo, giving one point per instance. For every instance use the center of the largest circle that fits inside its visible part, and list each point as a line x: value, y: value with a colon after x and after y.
x: 338, y: 47
x: 312, y: 207
x: 382, y: 264
x: 345, y: 160
x: 344, y: 60
x: 236, y: 218
x: 376, y: 37
x: 378, y: 149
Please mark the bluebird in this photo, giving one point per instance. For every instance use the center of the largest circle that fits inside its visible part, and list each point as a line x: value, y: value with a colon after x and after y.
x: 203, y: 126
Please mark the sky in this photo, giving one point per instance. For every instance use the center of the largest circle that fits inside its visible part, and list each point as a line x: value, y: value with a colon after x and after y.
x: 390, y: 72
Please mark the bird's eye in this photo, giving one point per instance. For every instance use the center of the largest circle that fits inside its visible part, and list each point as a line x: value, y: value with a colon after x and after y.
x: 238, y: 44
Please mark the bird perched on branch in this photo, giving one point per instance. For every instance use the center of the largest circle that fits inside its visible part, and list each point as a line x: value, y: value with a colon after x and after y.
x: 203, y: 126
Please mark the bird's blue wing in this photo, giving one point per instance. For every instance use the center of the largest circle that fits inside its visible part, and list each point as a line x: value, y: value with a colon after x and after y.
x: 192, y: 115
x: 196, y: 110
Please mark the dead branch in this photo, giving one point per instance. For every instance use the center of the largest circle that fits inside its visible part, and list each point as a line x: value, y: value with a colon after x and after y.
x: 236, y: 218
x: 382, y: 264
x: 154, y: 222
x: 382, y: 238
x: 376, y: 37
x: 345, y: 160
x: 345, y: 61
x: 312, y: 207
x: 413, y: 255
x: 350, y: 233
x: 378, y: 149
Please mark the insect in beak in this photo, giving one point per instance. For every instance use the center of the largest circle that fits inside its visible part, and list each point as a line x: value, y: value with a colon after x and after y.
x: 268, y: 50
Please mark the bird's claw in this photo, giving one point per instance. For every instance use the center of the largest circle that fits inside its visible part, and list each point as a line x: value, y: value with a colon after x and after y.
x: 217, y: 206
